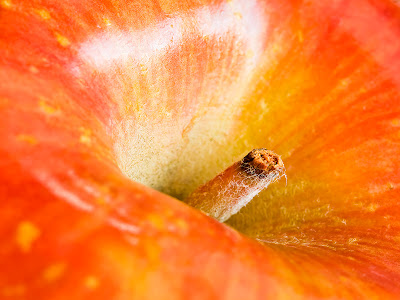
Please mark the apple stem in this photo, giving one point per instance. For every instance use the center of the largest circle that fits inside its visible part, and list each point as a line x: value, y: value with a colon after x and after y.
x: 225, y: 194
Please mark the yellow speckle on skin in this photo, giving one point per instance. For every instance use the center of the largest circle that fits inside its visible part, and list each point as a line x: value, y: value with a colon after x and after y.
x: 352, y: 241
x: 300, y: 36
x: 30, y: 139
x: 156, y: 221
x: 153, y: 252
x: 276, y: 48
x: 372, y: 207
x: 26, y: 234
x: 249, y: 54
x: 91, y: 282
x: 62, y: 40
x: 238, y: 15
x: 33, y: 70
x: 107, y: 22
x: 5, y: 3
x: 47, y: 108
x: 85, y: 137
x: 101, y: 201
x: 13, y: 290
x: 181, y: 224
x: 43, y: 13
x: 395, y: 122
x: 54, y: 271
x: 344, y: 82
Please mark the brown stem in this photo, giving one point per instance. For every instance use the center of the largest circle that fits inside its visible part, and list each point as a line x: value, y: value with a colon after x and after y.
x: 225, y: 194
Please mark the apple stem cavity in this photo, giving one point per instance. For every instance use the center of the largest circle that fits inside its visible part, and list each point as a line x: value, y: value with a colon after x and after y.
x: 225, y: 194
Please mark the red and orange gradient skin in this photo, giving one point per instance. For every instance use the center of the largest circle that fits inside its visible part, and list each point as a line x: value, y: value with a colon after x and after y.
x: 89, y: 88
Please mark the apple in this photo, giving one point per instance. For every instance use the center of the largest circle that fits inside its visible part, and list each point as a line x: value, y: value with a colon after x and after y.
x: 113, y: 111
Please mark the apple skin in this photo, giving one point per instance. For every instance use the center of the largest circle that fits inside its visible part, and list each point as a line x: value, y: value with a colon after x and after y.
x: 317, y: 81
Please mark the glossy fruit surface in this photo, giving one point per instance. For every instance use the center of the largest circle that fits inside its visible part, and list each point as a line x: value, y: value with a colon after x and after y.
x: 94, y: 94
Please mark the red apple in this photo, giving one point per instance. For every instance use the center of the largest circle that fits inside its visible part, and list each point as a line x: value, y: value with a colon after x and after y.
x: 98, y: 95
